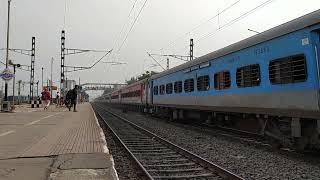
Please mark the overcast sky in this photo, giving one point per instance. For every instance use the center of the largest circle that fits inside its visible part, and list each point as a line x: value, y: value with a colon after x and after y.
x: 164, y: 26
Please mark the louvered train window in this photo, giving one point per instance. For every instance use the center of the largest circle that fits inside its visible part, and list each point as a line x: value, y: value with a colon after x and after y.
x: 203, y: 83
x: 248, y: 76
x: 222, y: 80
x: 169, y: 88
x: 292, y: 69
x: 189, y: 85
x: 155, y: 90
x: 178, y: 87
x: 162, y: 89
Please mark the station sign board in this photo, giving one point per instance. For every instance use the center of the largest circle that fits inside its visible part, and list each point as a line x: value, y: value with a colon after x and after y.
x: 7, y: 75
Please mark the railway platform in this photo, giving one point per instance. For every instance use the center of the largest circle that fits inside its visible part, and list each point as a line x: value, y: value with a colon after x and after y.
x: 54, y: 144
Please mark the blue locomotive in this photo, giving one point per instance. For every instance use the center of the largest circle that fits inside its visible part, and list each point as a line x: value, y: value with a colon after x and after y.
x: 267, y: 84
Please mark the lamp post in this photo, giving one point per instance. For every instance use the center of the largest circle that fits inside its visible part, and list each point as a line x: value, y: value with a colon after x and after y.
x: 7, y: 52
x: 37, y: 89
x: 51, y: 77
x: 41, y: 78
x: 19, y: 91
x: 14, y: 79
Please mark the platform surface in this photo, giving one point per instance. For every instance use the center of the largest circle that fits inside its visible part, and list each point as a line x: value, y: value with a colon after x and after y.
x: 53, y: 144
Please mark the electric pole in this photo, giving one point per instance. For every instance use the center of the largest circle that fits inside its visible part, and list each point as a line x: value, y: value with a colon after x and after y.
x: 19, y: 90
x: 191, y: 49
x: 51, y: 77
x: 62, y: 79
x: 167, y: 63
x: 7, y: 52
x: 13, y: 85
x: 41, y: 78
x: 32, y: 68
x: 37, y: 89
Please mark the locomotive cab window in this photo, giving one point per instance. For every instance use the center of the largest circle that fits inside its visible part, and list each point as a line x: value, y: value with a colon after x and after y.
x: 169, y: 88
x: 222, y: 80
x: 155, y: 90
x: 189, y: 85
x: 178, y: 87
x: 162, y: 89
x: 203, y: 83
x: 292, y: 69
x: 248, y: 76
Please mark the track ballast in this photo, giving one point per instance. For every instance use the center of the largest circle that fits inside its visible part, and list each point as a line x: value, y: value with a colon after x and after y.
x: 157, y: 157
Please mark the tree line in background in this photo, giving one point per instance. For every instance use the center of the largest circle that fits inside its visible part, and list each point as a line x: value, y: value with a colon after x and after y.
x: 145, y: 75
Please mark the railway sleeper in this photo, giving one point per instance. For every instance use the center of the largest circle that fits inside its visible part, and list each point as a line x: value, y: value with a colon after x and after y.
x: 174, y: 156
x: 148, y: 153
x: 170, y: 161
x: 134, y: 150
x: 177, y: 170
x: 187, y: 176
x: 170, y: 165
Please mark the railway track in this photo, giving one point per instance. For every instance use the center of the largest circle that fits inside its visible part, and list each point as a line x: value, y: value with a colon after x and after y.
x: 157, y: 157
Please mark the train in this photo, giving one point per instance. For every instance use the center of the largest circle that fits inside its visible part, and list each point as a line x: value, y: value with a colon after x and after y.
x: 267, y: 84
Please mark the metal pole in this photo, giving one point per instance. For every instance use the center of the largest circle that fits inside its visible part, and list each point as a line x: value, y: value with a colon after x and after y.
x: 191, y: 49
x: 41, y: 78
x: 62, y: 75
x: 7, y: 53
x: 37, y: 89
x: 14, y: 81
x: 167, y: 63
x: 19, y: 89
x: 32, y: 68
x: 51, y: 77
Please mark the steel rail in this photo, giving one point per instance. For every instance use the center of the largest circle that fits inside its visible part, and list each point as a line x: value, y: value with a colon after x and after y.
x: 205, y: 164
x: 122, y: 143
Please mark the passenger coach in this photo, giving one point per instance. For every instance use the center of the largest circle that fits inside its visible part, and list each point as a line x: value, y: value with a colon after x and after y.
x: 268, y: 84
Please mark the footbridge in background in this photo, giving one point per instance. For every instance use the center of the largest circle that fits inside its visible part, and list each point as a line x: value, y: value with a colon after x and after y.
x: 101, y: 86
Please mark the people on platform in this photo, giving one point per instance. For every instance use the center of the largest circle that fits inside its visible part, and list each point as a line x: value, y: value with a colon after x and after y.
x: 58, y: 99
x: 45, y: 97
x: 71, y: 97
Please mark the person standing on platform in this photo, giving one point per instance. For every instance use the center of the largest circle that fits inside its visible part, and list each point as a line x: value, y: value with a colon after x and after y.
x: 58, y: 99
x: 45, y: 97
x: 72, y: 97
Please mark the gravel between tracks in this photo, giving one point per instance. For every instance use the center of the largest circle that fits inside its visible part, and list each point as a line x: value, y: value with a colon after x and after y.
x: 244, y: 160
x: 126, y: 168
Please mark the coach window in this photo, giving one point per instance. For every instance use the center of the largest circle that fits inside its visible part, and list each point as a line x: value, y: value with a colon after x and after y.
x: 189, y: 85
x: 155, y: 90
x: 203, y: 83
x: 162, y: 89
x: 169, y: 88
x: 248, y: 76
x: 292, y: 69
x: 178, y: 87
x: 222, y: 80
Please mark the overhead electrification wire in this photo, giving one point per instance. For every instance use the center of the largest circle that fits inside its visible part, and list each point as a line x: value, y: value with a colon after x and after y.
x: 65, y: 14
x: 237, y: 19
x: 134, y: 22
x: 204, y: 22
x: 124, y: 25
x: 234, y: 20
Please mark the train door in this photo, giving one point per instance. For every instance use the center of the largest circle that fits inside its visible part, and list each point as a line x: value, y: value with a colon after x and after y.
x: 150, y: 93
x: 315, y: 35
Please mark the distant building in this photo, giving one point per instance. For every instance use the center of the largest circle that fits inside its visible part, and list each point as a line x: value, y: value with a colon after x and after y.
x: 69, y: 84
x: 1, y: 96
